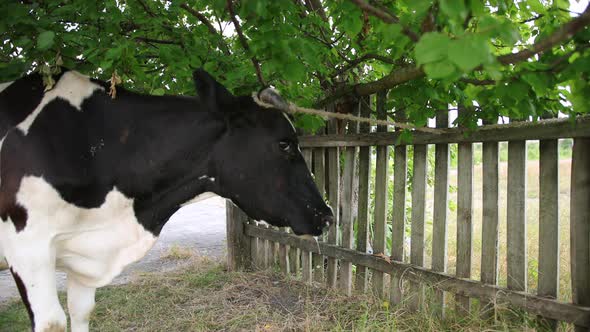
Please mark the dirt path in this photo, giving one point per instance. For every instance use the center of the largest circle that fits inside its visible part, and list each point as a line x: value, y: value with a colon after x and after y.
x: 199, y: 226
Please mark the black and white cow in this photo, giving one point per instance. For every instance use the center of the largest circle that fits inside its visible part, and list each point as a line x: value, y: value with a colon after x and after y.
x: 87, y: 182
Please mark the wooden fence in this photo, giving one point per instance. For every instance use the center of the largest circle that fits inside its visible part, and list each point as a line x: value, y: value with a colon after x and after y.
x: 331, y: 261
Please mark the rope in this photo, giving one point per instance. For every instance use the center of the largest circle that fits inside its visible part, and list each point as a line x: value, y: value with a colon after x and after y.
x: 292, y: 108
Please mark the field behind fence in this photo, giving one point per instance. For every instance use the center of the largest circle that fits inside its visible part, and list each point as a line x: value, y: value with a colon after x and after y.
x: 452, y: 220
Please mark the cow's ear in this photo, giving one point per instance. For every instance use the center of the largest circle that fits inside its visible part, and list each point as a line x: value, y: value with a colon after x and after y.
x: 209, y: 90
x: 272, y: 96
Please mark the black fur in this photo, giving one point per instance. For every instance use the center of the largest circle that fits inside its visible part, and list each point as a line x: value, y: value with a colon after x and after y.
x: 156, y: 150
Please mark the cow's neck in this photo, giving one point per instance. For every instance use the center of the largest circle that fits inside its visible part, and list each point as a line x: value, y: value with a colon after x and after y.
x: 168, y: 157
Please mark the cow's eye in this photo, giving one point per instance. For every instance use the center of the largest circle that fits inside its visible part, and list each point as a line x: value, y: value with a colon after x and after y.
x: 285, y: 146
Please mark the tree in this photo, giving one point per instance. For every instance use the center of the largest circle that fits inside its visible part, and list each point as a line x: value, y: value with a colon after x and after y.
x: 497, y: 57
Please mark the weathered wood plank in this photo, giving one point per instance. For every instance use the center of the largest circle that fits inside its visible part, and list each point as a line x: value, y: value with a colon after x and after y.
x: 440, y: 211
x: 548, y: 224
x: 546, y: 129
x: 284, y: 256
x: 516, y: 217
x: 416, y: 296
x: 238, y: 244
x: 362, y: 235
x: 346, y: 204
x: 464, y: 218
x: 380, y: 214
x: 334, y: 198
x: 534, y: 304
x: 319, y: 169
x: 306, y: 265
x: 580, y: 224
x: 256, y: 264
x: 400, y: 169
x: 490, y: 219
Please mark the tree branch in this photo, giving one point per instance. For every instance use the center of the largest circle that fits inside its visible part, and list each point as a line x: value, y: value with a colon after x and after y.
x: 369, y: 56
x: 406, y: 74
x: 244, y: 42
x: 203, y: 19
x: 385, y: 17
x: 157, y: 41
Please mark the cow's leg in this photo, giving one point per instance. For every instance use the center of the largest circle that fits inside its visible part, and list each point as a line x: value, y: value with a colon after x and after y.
x: 34, y: 274
x: 80, y: 304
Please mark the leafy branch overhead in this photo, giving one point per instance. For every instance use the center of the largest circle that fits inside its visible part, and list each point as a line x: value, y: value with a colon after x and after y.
x: 516, y: 59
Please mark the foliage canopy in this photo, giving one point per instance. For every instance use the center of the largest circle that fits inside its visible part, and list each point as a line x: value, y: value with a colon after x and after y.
x: 428, y: 54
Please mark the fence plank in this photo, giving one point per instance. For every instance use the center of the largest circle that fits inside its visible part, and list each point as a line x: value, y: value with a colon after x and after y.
x: 546, y: 129
x: 516, y: 205
x: 580, y: 224
x: 284, y: 256
x: 440, y: 211
x: 238, y: 244
x: 398, y: 222
x: 464, y: 218
x: 362, y: 235
x: 534, y: 304
x: 305, y: 255
x: 334, y: 197
x: 346, y: 204
x: 548, y: 223
x: 490, y: 219
x: 319, y: 168
x: 418, y: 215
x: 380, y: 214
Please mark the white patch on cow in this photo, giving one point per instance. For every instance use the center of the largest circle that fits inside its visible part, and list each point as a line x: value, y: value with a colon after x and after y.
x: 199, y: 198
x: 93, y: 245
x: 72, y: 87
x: 3, y: 86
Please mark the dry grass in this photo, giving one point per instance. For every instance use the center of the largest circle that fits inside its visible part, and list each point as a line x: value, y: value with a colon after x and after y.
x: 176, y: 252
x: 3, y: 265
x: 204, y: 297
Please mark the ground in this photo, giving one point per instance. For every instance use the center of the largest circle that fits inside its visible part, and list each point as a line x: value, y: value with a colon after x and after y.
x: 203, y: 296
x: 198, y: 227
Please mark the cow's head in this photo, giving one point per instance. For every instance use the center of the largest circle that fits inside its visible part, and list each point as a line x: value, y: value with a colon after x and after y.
x: 257, y: 162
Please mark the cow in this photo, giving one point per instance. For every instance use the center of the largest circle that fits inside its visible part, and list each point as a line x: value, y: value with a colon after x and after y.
x: 88, y: 181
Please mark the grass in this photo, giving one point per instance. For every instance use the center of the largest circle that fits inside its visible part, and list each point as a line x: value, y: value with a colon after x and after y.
x: 3, y: 265
x: 176, y: 252
x: 205, y: 297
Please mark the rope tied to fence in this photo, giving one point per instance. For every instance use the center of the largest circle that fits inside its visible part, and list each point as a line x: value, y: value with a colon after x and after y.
x: 292, y: 109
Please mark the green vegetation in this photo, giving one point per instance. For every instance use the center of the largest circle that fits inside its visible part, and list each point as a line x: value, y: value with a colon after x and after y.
x: 511, y: 58
x: 204, y: 297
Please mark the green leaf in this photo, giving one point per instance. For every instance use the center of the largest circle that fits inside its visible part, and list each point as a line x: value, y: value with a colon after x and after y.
x: 440, y: 69
x: 158, y: 92
x: 536, y: 6
x: 45, y: 40
x: 454, y: 8
x: 469, y: 52
x: 539, y: 82
x: 432, y: 47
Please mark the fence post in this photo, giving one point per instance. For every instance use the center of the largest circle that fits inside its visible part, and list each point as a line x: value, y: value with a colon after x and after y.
x: 464, y: 216
x: 580, y: 223
x: 362, y: 235
x: 306, y: 255
x: 380, y: 222
x: 490, y: 218
x: 398, y: 222
x: 319, y: 171
x: 238, y: 243
x: 548, y: 224
x: 440, y: 210
x: 334, y: 197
